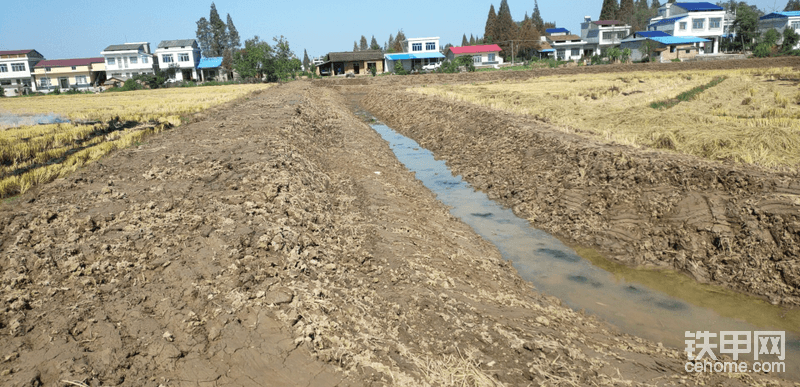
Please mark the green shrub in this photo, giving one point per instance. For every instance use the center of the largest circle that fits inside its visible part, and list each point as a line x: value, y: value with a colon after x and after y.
x: 763, y: 50
x: 399, y: 69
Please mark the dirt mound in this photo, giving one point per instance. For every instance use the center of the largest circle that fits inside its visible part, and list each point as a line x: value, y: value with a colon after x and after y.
x: 280, y: 242
x: 728, y: 224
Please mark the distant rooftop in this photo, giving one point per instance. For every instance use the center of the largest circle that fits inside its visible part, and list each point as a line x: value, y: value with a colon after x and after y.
x: 700, y: 6
x: 125, y: 47
x: 556, y: 30
x: 475, y: 49
x: 780, y: 15
x: 176, y: 43
x: 15, y: 52
x: 667, y: 21
x: 69, y: 62
x: 650, y: 34
x: 210, y: 63
x: 607, y: 22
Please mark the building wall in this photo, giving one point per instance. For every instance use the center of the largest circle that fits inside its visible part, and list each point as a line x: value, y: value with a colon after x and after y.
x: 678, y: 53
x: 423, y: 41
x: 568, y: 51
x: 123, y: 68
x: 779, y: 24
x: 12, y: 80
x: 192, y: 63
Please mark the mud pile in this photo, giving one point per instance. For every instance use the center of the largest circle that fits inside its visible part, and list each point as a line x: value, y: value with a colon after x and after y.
x: 279, y: 242
x: 733, y: 225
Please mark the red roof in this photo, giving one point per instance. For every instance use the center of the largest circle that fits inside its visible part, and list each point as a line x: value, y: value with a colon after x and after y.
x: 69, y: 62
x: 475, y: 49
x: 14, y: 52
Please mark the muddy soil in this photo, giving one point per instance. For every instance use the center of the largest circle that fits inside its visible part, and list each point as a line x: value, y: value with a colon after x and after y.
x: 734, y: 225
x: 278, y: 241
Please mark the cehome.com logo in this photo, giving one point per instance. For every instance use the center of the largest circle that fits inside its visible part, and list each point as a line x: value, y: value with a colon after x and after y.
x: 770, y: 344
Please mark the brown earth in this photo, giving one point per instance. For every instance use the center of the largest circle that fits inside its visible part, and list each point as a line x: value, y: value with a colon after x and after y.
x: 278, y: 241
x: 730, y: 224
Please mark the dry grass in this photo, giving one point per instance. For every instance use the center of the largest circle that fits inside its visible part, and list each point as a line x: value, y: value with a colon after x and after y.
x: 752, y: 117
x: 32, y: 155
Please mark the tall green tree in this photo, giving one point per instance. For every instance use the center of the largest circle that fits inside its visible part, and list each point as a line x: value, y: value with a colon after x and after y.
x: 219, y: 35
x: 204, y: 36
x: 464, y: 41
x: 505, y: 29
x: 355, y: 46
x: 364, y: 46
x: 490, y: 31
x: 471, y: 40
x: 746, y: 25
x: 306, y: 61
x: 609, y: 10
x: 399, y: 41
x: 233, y: 35
x: 655, y: 5
x: 390, y: 44
x: 792, y: 5
x: 626, y: 10
x: 373, y: 45
x: 538, y: 22
x: 254, y: 60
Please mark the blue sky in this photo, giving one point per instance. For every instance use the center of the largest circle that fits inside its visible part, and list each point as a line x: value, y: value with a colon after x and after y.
x: 81, y: 28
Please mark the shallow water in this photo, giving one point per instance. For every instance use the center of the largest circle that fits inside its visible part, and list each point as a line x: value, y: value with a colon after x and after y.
x: 10, y: 120
x: 657, y: 305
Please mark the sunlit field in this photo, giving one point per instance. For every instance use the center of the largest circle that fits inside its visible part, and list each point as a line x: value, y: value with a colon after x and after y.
x: 752, y: 116
x: 99, y: 123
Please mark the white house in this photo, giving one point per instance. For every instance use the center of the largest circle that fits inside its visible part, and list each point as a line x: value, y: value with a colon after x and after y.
x: 663, y: 46
x: 602, y: 34
x: 417, y: 52
x: 183, y: 55
x: 690, y: 20
x: 16, y: 68
x: 124, y: 61
x: 780, y: 21
x: 482, y: 55
x: 566, y: 45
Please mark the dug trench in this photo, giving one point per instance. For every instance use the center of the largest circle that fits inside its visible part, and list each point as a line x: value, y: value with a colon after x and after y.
x: 733, y: 225
x: 278, y: 241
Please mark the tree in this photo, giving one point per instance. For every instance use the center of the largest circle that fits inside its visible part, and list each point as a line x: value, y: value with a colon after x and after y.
x: 529, y: 39
x: 790, y: 40
x: 746, y: 25
x: 254, y: 59
x: 364, y: 46
x: 390, y: 44
x: 373, y: 45
x: 227, y: 61
x: 355, y: 46
x: 538, y: 22
x: 609, y: 10
x: 219, y: 36
x: 471, y: 40
x: 647, y: 47
x: 505, y: 29
x: 490, y: 31
x: 306, y: 61
x: 655, y: 5
x: 233, y: 35
x: 792, y: 5
x: 204, y: 36
x: 464, y: 41
x: 399, y: 39
x: 626, y: 10
x: 771, y: 37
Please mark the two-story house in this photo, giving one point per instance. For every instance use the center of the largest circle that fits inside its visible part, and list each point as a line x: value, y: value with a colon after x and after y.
x: 127, y: 60
x: 482, y: 55
x: 417, y: 52
x: 602, y: 34
x: 183, y: 55
x: 81, y: 73
x: 567, y: 46
x: 16, y: 67
x: 691, y: 20
x: 780, y: 21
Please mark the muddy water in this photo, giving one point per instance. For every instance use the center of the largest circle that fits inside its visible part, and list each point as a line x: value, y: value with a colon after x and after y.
x: 658, y: 305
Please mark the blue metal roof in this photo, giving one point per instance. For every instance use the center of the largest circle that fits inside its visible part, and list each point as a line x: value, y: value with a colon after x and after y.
x: 667, y: 21
x: 210, y: 63
x: 421, y: 55
x: 650, y: 34
x: 548, y: 50
x: 701, y: 6
x: 780, y: 15
x: 556, y: 30
x: 669, y: 40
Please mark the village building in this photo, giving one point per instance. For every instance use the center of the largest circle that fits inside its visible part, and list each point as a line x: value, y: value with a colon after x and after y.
x: 352, y: 62
x: 663, y: 47
x: 602, y: 34
x: 780, y: 21
x: 482, y: 55
x: 16, y: 67
x: 124, y: 61
x: 417, y: 54
x: 66, y: 74
x: 692, y: 20
x: 182, y: 56
x: 567, y: 46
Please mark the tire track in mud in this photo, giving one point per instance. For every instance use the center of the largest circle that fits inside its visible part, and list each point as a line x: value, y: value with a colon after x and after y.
x: 257, y: 246
x: 733, y: 225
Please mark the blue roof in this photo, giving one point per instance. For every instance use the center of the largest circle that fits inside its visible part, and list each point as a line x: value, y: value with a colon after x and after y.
x: 421, y: 55
x: 651, y: 34
x: 780, y: 15
x: 668, y: 40
x: 592, y: 33
x: 667, y: 21
x: 556, y: 30
x: 548, y: 50
x: 701, y: 6
x: 210, y: 63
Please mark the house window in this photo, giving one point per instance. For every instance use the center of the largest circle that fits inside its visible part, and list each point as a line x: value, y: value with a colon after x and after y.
x: 134, y: 60
x: 714, y: 22
x: 606, y: 35
x: 560, y: 54
x: 144, y: 59
x: 26, y: 82
x: 74, y: 67
x: 111, y: 61
x: 476, y: 59
x: 18, y: 67
x: 416, y: 46
x: 430, y: 46
x: 576, y: 52
x: 81, y: 80
x: 47, y: 69
x: 183, y: 57
x: 697, y: 24
x: 5, y: 82
x: 3, y: 68
x: 166, y: 58
x: 491, y: 57
x: 682, y: 26
x: 796, y: 25
x: 44, y: 82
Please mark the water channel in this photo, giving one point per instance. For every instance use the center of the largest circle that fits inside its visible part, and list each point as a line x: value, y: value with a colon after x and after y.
x: 657, y: 305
